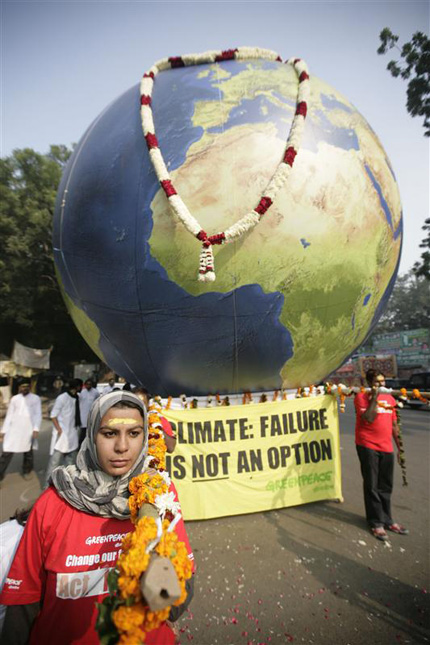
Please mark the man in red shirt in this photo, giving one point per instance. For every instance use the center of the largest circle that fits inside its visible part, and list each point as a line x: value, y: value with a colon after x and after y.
x: 375, y: 428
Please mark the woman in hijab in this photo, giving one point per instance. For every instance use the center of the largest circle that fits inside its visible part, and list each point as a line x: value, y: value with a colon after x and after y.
x: 74, y: 533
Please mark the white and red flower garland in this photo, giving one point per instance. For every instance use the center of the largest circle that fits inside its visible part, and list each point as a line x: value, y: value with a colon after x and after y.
x: 165, y: 503
x: 246, y: 223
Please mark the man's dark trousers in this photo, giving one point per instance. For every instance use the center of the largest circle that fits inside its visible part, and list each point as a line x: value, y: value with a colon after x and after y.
x: 377, y: 469
x: 27, y: 462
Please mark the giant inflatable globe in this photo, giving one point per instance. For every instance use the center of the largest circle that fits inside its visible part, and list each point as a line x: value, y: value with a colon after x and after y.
x: 293, y: 298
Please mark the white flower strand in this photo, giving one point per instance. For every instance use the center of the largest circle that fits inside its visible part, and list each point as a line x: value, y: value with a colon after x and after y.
x: 206, y: 263
x: 184, y: 215
x: 147, y: 121
x: 279, y: 178
x: 242, y: 226
x: 156, y: 540
x: 166, y: 502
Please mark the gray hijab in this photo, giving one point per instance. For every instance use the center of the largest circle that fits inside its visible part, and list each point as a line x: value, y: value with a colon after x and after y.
x: 85, y: 485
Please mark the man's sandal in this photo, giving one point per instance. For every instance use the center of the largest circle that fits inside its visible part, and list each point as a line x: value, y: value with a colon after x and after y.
x: 397, y: 528
x: 379, y: 533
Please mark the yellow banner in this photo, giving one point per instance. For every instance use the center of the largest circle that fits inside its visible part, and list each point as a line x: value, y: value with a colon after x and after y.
x: 251, y: 458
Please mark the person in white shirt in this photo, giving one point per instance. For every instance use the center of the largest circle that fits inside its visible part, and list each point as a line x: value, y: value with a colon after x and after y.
x: 87, y: 396
x: 20, y: 428
x: 110, y: 386
x: 66, y: 421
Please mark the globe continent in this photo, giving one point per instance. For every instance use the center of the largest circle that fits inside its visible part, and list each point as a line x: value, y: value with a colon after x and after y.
x: 292, y: 299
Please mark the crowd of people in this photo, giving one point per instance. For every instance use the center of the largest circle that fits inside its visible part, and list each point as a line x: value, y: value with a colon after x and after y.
x: 69, y: 416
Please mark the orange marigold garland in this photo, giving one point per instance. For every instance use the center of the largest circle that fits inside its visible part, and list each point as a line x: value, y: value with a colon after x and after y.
x: 416, y: 394
x: 134, y: 619
x: 156, y: 445
x: 342, y: 397
x: 145, y: 489
x: 247, y: 398
x: 124, y: 616
x: 402, y: 458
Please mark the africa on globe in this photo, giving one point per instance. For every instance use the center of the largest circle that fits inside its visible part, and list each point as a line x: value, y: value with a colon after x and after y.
x: 293, y: 297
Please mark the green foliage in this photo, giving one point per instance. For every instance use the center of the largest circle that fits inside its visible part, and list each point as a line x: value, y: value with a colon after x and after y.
x: 28, y: 183
x: 31, y: 307
x: 108, y: 633
x: 422, y: 267
x: 414, y: 64
x: 408, y: 306
x: 112, y: 580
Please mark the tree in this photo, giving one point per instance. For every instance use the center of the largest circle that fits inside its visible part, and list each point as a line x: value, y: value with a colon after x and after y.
x: 414, y: 65
x: 408, y: 306
x: 32, y: 310
x: 422, y: 267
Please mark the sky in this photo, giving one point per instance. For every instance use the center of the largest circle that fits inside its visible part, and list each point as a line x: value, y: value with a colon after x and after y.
x: 62, y: 63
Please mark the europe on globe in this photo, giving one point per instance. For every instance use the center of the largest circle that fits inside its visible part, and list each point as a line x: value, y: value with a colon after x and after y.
x: 293, y: 297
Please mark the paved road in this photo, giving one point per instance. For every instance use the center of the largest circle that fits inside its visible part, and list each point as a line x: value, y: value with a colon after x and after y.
x: 307, y: 574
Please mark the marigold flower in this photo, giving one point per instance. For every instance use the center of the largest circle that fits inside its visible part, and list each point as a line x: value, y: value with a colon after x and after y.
x: 133, y: 621
x: 135, y: 637
x: 128, y: 618
x: 129, y: 586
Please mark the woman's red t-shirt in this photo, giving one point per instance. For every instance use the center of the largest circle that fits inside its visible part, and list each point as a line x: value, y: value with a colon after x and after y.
x: 62, y: 562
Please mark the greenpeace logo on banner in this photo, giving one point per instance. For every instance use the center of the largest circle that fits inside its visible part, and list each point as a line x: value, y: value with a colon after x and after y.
x: 301, y: 480
x: 245, y: 459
